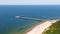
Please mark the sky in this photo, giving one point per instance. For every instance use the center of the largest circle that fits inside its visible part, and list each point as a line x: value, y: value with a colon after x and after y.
x: 29, y: 2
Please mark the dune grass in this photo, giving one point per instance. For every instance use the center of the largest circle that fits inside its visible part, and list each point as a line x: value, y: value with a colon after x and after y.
x: 53, y: 29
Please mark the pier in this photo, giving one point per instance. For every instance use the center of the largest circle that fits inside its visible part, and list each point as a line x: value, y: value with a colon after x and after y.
x: 29, y: 18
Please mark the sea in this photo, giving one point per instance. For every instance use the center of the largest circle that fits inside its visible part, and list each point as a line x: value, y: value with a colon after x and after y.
x: 9, y: 24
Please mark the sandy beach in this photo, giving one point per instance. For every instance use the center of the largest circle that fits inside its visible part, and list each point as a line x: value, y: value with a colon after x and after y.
x: 41, y: 27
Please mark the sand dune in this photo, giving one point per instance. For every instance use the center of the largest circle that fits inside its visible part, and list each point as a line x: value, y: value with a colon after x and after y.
x: 41, y: 27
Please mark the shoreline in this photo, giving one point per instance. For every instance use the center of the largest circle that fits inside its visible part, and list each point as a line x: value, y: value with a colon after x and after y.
x: 33, y: 27
x: 38, y: 29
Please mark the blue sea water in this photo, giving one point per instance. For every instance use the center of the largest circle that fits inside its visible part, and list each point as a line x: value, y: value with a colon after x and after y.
x: 9, y: 24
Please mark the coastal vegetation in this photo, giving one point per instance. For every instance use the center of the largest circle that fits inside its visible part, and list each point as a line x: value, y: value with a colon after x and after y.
x: 53, y: 29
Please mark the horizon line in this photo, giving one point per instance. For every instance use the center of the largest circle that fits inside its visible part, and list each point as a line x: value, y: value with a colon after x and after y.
x: 31, y: 4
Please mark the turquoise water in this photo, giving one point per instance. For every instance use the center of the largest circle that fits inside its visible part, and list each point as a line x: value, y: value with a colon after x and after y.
x: 9, y: 24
